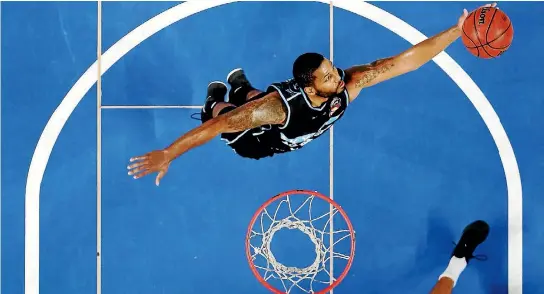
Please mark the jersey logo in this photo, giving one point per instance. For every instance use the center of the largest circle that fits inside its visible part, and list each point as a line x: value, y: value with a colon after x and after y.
x: 300, y: 141
x: 335, y: 104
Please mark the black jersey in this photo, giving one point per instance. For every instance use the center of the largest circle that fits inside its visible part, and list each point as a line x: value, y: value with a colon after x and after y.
x: 305, y: 122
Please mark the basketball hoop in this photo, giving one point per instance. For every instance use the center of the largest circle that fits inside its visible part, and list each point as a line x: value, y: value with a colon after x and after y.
x: 324, y: 222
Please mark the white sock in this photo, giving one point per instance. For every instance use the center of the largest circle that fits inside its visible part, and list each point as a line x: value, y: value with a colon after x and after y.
x: 455, y: 268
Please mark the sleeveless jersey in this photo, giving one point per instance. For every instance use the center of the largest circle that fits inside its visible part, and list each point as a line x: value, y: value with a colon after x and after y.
x: 304, y: 122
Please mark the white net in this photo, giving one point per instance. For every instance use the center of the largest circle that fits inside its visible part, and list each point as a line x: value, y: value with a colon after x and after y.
x: 333, y: 245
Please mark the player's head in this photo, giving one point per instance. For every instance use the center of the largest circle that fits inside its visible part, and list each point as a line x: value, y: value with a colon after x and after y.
x: 317, y: 75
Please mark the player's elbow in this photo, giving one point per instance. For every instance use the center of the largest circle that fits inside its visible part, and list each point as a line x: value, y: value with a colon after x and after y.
x: 407, y: 65
x: 408, y: 62
x: 268, y: 110
x: 227, y: 124
x: 413, y: 67
x: 237, y: 121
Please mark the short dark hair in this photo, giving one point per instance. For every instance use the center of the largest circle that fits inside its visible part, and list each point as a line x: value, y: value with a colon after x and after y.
x: 305, y: 66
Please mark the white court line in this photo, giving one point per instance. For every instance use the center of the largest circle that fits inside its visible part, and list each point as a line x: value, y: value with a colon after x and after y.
x: 0, y: 145
x: 489, y: 116
x: 151, y: 106
x: 331, y: 157
x: 99, y: 151
x: 59, y: 117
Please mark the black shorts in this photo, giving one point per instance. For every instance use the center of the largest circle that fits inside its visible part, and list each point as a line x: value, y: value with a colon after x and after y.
x: 245, y: 143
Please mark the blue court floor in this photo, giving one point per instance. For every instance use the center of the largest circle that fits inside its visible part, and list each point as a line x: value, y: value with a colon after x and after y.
x: 416, y: 158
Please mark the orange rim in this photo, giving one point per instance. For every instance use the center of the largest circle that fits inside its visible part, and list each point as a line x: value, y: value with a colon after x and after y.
x: 308, y: 193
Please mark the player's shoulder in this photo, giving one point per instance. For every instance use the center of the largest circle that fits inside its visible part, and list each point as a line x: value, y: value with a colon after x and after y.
x: 286, y: 88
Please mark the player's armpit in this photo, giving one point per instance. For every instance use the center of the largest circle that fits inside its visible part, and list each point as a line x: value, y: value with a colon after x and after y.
x: 268, y: 110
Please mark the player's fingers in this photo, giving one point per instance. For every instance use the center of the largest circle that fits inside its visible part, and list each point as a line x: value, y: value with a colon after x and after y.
x: 138, y: 164
x: 159, y: 177
x: 137, y: 158
x: 143, y: 174
x: 137, y: 170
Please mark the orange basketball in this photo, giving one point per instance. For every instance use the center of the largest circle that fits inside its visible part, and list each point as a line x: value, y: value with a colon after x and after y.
x: 487, y: 32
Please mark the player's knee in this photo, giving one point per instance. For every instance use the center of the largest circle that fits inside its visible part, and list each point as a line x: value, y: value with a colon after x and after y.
x: 222, y: 107
x: 252, y: 94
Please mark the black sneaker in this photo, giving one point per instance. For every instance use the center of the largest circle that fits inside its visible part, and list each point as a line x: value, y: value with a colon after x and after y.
x: 473, y: 235
x: 240, y: 86
x: 216, y: 93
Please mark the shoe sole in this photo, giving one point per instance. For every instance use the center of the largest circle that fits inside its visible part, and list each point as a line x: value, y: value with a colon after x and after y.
x: 233, y: 72
x: 217, y: 82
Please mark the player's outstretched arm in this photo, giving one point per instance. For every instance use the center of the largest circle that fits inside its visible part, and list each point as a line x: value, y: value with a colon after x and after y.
x: 367, y: 75
x: 269, y: 110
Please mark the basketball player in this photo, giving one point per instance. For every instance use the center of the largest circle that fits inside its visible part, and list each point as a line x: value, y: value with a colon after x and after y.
x: 289, y: 114
x: 473, y: 235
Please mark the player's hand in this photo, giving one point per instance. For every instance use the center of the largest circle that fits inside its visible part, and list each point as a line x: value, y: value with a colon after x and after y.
x: 465, y: 14
x: 155, y: 161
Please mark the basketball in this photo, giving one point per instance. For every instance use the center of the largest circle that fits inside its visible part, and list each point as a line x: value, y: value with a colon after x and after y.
x: 487, y: 32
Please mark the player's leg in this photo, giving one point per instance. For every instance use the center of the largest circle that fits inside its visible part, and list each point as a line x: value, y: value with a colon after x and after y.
x: 241, y: 89
x: 215, y: 101
x: 473, y: 235
x: 443, y: 286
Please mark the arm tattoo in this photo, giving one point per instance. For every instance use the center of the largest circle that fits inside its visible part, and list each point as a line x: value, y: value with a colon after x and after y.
x: 369, y: 72
x: 263, y: 111
x: 267, y: 110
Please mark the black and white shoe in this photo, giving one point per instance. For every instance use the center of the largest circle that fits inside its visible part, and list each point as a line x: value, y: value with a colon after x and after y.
x: 240, y: 86
x: 216, y: 93
x: 473, y: 235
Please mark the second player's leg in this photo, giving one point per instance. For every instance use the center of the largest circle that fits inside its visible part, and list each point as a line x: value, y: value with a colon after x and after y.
x: 473, y: 235
x: 443, y: 286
